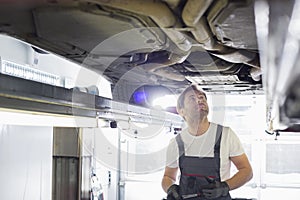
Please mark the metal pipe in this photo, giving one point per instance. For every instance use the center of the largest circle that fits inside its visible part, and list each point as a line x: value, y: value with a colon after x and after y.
x: 194, y: 10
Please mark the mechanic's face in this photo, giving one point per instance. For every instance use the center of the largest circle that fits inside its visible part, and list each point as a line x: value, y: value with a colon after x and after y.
x: 195, y: 105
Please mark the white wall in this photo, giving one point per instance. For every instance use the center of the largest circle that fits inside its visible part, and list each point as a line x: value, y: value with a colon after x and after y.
x: 26, y: 162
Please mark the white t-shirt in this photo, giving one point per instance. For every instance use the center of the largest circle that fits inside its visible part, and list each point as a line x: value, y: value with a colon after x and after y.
x: 203, y: 146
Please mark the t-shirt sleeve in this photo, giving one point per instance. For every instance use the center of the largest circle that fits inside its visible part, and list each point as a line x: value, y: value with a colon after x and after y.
x: 172, y: 154
x: 236, y: 147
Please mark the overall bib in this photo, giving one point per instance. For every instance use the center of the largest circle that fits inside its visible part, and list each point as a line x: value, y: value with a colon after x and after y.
x: 198, y: 171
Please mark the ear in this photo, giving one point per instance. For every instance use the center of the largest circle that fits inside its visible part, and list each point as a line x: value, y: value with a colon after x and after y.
x: 181, y: 112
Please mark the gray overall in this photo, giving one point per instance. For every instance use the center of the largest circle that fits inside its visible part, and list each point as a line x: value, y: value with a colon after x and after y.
x: 198, y: 171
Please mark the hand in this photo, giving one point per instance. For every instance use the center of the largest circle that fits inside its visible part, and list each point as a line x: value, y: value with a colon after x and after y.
x: 215, y: 190
x: 173, y: 193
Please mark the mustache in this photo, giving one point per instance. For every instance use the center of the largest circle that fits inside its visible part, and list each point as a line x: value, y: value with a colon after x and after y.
x: 202, y: 104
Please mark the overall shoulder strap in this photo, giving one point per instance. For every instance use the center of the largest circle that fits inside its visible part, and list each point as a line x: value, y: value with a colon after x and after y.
x: 180, y: 145
x: 218, y: 141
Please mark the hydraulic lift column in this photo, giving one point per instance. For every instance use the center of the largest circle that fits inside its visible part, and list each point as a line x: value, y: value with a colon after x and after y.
x: 66, y: 163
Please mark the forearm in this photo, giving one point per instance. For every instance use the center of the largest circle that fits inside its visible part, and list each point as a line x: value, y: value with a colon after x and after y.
x: 167, y: 182
x: 240, y: 178
x: 169, y: 178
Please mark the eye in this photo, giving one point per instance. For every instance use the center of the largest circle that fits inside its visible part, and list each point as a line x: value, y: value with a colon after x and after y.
x: 192, y: 98
x: 201, y: 97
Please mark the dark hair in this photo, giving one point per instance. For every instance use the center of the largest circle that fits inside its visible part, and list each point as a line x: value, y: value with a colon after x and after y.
x: 180, y: 100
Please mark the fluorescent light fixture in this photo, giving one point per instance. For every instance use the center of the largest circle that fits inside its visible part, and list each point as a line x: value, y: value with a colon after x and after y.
x: 213, y: 79
x: 29, y: 73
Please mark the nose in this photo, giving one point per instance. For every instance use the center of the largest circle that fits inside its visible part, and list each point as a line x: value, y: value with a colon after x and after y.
x: 200, y: 99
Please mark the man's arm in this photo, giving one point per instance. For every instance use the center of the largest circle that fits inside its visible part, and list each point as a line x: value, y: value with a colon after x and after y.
x: 244, y: 173
x: 169, y: 178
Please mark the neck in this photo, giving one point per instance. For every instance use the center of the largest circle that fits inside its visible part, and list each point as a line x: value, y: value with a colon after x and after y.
x: 198, y: 127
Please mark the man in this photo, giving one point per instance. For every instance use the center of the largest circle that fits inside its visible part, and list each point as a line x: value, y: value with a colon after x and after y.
x: 203, y: 152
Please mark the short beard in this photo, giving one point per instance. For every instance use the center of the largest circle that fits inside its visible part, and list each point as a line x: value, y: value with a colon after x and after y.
x: 200, y: 116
